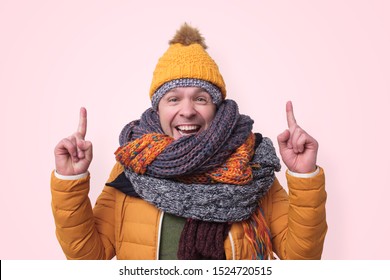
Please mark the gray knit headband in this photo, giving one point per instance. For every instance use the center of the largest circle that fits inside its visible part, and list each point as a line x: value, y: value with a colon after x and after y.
x: 187, y: 82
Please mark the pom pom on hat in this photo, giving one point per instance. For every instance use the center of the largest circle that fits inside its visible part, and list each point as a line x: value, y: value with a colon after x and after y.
x: 186, y: 63
x: 188, y: 35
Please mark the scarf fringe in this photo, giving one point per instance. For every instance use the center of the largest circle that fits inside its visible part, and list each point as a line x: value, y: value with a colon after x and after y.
x: 259, y: 236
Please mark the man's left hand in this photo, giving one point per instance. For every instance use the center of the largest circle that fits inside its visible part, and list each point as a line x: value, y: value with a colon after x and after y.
x: 297, y: 148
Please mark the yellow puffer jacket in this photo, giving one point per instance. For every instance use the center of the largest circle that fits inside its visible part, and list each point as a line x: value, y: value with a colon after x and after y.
x: 129, y: 227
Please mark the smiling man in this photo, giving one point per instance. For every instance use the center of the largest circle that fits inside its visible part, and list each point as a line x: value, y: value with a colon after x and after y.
x: 192, y: 181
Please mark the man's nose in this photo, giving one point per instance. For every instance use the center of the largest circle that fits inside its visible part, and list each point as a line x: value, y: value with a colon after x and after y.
x: 187, y: 109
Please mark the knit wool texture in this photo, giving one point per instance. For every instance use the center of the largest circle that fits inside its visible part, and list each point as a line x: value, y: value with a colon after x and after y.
x: 181, y: 61
x: 138, y: 154
x: 195, y: 242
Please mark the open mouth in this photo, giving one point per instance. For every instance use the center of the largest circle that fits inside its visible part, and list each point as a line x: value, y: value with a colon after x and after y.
x: 188, y: 129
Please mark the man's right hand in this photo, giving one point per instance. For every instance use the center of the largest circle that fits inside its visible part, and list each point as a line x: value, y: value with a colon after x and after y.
x: 73, y: 154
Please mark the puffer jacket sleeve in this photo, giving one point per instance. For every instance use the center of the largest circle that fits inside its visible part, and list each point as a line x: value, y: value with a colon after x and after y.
x: 83, y: 232
x: 298, y: 220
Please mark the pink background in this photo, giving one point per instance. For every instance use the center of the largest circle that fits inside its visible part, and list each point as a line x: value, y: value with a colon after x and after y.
x: 331, y: 58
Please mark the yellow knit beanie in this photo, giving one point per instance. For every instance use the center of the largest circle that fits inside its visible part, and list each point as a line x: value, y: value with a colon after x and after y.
x: 186, y: 63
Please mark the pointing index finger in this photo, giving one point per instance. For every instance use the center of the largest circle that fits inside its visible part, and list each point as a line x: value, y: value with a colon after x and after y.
x: 82, y: 129
x: 290, y: 115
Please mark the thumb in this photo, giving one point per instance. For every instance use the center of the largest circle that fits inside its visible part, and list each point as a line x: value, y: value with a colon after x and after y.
x: 88, y: 150
x: 283, y: 138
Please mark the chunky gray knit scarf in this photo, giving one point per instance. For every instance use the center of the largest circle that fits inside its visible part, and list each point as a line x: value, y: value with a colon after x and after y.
x: 214, y: 202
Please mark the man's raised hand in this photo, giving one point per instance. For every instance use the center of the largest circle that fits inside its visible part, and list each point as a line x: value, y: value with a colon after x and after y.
x: 297, y: 148
x: 73, y: 154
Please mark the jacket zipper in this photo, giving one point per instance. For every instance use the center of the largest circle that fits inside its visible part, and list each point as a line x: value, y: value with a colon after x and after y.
x: 159, y: 235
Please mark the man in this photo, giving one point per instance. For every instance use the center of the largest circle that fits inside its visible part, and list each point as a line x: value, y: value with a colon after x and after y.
x: 192, y: 181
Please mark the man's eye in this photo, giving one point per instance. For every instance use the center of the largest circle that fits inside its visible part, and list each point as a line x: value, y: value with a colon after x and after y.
x: 172, y: 99
x: 201, y: 99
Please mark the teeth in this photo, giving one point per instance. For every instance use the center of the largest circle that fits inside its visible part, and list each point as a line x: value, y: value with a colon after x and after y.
x: 188, y: 127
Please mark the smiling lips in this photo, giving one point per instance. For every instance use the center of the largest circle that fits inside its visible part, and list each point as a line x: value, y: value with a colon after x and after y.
x: 188, y: 129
